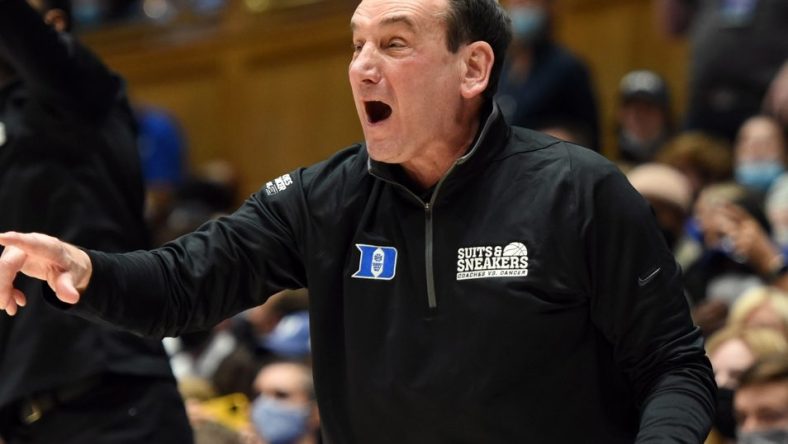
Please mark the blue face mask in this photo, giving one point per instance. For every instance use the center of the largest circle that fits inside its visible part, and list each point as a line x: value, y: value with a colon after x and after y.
x: 770, y: 436
x: 528, y: 23
x: 277, y: 422
x: 759, y: 175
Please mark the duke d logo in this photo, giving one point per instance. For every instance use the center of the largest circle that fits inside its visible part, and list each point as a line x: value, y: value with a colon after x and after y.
x: 376, y: 262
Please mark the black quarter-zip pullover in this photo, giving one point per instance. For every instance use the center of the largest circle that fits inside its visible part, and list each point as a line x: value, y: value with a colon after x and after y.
x: 530, y: 299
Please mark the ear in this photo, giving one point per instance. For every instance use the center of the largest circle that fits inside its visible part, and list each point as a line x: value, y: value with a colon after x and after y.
x: 477, y: 62
x: 57, y: 19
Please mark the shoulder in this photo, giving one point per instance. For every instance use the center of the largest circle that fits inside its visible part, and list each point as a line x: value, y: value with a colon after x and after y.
x: 348, y: 165
x: 533, y: 152
x: 323, y: 181
x: 524, y: 140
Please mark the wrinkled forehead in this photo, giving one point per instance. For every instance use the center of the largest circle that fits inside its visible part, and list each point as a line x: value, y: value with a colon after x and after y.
x: 418, y: 15
x: 764, y: 396
x: 763, y: 127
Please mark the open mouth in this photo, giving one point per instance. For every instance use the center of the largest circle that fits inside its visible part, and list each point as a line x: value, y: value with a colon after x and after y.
x: 377, y: 111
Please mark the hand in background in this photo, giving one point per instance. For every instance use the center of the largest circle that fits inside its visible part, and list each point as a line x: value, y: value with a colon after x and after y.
x: 747, y: 239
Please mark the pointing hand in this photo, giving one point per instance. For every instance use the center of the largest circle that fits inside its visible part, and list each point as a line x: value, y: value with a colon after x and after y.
x: 64, y: 267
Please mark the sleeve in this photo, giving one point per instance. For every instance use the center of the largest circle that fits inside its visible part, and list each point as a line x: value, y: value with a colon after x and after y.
x: 52, y: 65
x: 228, y: 265
x: 639, y: 306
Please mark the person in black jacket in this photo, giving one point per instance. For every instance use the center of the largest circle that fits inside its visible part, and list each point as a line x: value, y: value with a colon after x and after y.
x: 543, y: 85
x: 469, y: 282
x: 69, y: 166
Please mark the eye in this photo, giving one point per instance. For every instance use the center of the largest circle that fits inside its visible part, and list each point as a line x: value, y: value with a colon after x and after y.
x: 281, y: 394
x: 356, y: 46
x: 396, y: 43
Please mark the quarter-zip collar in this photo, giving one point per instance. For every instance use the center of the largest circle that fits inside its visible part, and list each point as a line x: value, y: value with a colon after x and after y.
x: 487, y: 145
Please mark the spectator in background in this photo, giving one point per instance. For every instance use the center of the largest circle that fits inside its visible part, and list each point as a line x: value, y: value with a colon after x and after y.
x: 703, y: 159
x: 776, y: 102
x: 207, y: 193
x: 285, y: 411
x: 738, y: 254
x: 761, y: 307
x: 543, y: 86
x: 735, y: 252
x: 644, y: 116
x: 759, y: 153
x: 731, y: 351
x: 776, y: 207
x: 737, y: 51
x: 214, y: 356
x: 210, y: 432
x: 163, y: 151
x: 762, y: 402
x: 229, y: 356
x: 670, y: 195
x: 258, y: 329
x: 217, y: 419
x: 69, y: 147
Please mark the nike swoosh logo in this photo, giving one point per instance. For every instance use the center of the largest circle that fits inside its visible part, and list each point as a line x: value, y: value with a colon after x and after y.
x: 642, y: 281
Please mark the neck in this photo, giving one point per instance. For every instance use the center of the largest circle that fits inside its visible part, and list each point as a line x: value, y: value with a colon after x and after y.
x: 427, y: 170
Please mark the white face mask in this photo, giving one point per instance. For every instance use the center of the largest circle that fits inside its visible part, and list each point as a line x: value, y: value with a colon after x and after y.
x: 768, y: 436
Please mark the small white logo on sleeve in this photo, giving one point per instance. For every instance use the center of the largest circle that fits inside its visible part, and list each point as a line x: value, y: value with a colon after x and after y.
x: 277, y: 185
x: 492, y: 261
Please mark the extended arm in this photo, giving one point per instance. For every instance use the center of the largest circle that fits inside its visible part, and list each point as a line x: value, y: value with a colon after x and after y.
x: 192, y: 283
x: 638, y: 304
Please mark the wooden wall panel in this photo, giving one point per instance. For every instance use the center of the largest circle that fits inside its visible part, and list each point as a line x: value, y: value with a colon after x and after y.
x: 269, y: 92
x: 301, y: 112
x: 614, y: 37
x: 198, y: 106
x: 267, y: 95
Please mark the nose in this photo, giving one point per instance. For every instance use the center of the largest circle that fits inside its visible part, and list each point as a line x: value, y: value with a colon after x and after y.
x: 365, y: 66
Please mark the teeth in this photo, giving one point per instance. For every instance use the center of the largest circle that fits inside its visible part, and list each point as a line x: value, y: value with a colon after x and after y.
x: 377, y: 111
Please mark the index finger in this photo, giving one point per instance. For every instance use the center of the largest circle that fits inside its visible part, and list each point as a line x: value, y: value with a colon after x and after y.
x: 33, y: 243
x: 11, y: 262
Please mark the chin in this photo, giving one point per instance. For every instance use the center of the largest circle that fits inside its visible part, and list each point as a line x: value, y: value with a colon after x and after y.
x: 379, y: 152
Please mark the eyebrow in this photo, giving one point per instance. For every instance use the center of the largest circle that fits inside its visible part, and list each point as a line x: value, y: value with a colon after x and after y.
x: 391, y: 20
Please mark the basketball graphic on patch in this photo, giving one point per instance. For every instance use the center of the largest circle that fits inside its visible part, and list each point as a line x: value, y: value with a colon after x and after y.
x: 515, y: 249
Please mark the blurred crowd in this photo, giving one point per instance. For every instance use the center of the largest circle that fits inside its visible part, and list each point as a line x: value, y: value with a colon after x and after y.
x: 716, y: 177
x: 249, y: 379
